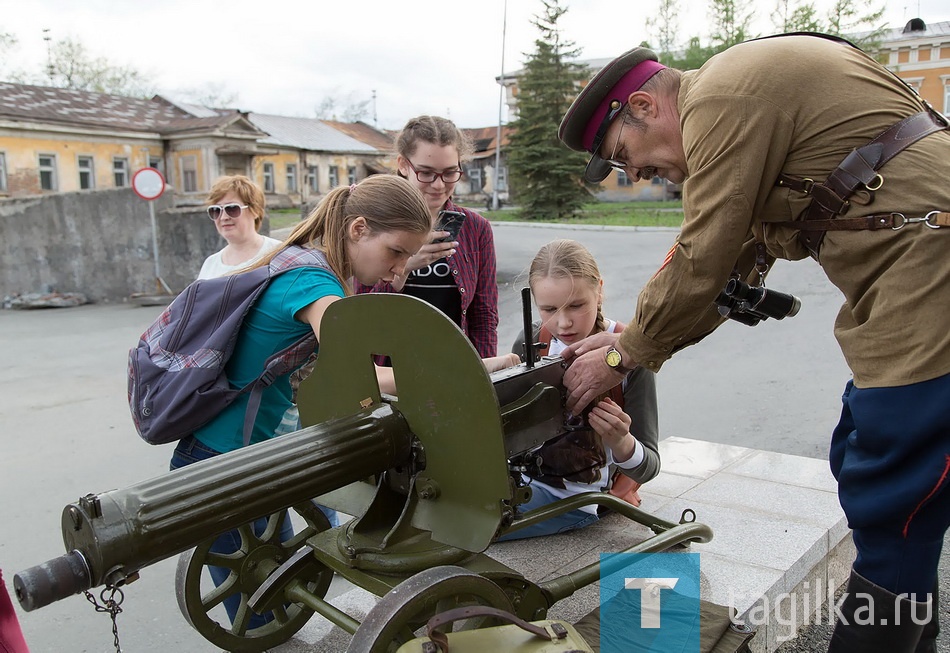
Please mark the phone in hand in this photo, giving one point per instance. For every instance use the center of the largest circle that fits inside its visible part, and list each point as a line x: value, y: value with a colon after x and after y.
x: 450, y: 221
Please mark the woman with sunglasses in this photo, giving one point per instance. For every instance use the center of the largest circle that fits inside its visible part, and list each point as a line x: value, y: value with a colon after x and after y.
x: 457, y: 274
x: 236, y: 204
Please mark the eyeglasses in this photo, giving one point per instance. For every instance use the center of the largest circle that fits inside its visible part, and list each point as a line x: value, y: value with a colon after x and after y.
x: 429, y: 176
x: 619, y: 165
x: 233, y: 210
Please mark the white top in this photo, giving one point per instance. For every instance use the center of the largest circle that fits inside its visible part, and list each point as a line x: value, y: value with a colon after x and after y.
x: 214, y: 267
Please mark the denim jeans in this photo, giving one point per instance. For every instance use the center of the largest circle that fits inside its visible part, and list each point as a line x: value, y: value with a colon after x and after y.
x: 188, y: 451
x: 541, y: 496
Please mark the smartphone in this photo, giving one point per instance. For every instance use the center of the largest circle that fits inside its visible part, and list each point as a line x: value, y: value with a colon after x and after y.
x: 450, y: 221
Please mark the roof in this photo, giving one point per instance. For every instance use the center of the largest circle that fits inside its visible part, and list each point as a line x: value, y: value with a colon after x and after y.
x: 484, y: 139
x: 915, y: 28
x: 307, y: 134
x: 365, y: 133
x: 86, y: 108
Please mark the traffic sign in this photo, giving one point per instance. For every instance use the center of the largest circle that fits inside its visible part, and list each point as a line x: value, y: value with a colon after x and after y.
x: 148, y: 183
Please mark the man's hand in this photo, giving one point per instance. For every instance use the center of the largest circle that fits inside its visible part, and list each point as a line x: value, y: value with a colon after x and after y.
x: 590, y: 343
x: 427, y: 255
x: 587, y: 377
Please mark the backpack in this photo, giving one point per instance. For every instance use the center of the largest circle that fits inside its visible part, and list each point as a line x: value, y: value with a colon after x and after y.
x: 177, y: 379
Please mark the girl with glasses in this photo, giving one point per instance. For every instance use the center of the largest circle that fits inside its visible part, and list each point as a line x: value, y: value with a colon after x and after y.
x: 236, y: 204
x: 455, y: 270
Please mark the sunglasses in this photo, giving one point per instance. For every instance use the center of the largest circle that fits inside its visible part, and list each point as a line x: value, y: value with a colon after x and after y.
x: 233, y: 210
x: 429, y: 176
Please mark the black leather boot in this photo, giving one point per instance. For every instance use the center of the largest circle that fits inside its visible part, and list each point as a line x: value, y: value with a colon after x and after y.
x: 928, y: 636
x: 874, y: 620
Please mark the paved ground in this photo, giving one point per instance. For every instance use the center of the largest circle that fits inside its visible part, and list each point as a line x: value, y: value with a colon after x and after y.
x: 66, y: 429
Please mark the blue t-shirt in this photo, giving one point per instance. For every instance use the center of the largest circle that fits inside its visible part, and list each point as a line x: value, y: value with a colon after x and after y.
x: 269, y: 327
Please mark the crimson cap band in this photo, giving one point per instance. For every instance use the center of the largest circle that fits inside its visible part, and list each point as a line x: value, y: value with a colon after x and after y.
x: 583, y: 120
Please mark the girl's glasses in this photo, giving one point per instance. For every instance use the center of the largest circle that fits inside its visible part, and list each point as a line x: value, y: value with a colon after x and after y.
x: 233, y: 210
x: 429, y: 176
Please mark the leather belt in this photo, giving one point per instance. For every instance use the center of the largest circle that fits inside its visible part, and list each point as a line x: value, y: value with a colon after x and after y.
x: 857, y: 172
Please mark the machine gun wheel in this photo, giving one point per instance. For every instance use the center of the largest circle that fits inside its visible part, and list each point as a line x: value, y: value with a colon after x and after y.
x: 259, y: 556
x: 406, y: 607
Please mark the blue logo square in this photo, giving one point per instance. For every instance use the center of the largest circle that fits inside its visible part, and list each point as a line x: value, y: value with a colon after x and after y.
x: 649, y: 603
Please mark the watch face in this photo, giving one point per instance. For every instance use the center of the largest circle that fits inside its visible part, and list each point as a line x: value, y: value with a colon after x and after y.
x: 613, y: 358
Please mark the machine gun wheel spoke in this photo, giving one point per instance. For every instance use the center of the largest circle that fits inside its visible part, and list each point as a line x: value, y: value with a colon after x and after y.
x: 405, y: 609
x: 257, y: 557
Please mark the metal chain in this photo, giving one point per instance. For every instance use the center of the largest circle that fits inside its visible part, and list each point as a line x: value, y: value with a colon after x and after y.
x: 110, y: 605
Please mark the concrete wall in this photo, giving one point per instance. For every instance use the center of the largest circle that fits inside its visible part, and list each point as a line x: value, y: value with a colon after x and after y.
x: 99, y: 243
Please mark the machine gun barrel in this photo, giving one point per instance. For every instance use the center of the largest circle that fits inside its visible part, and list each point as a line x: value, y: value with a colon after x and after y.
x: 111, y: 536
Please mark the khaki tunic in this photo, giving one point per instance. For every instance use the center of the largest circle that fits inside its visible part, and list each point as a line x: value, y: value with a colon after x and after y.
x: 799, y: 105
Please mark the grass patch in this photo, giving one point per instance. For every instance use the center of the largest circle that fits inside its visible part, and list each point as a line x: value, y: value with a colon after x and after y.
x: 282, y: 218
x: 624, y: 214
x: 621, y: 214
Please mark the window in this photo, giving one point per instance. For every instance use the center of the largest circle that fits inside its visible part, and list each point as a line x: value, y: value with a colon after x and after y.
x: 87, y: 172
x: 474, y: 178
x: 291, y: 178
x: 47, y: 171
x: 334, y: 176
x: 3, y: 172
x: 312, y: 182
x: 268, y: 177
x: 502, y: 179
x: 351, y: 175
x: 623, y: 179
x: 189, y: 174
x: 120, y: 171
x: 157, y: 163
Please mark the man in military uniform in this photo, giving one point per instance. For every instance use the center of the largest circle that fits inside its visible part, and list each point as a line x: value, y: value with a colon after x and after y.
x: 788, y: 147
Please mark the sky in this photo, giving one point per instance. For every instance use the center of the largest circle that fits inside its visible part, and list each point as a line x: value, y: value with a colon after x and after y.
x: 286, y: 57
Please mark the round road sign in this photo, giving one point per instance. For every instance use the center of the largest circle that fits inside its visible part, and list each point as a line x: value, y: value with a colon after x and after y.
x: 148, y: 183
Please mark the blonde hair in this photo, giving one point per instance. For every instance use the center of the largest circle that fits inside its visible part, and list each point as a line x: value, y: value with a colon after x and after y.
x: 387, y: 203
x: 249, y: 192
x: 567, y: 259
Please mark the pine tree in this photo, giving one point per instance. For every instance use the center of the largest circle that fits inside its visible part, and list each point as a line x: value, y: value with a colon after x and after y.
x: 547, y: 175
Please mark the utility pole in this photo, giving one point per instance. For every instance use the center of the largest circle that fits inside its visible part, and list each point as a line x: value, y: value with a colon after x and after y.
x: 375, y: 122
x: 49, y: 54
x: 501, y: 104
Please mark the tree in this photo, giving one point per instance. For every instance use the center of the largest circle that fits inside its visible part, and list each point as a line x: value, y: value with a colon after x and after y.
x: 72, y: 66
x: 214, y: 95
x: 351, y: 109
x: 7, y: 44
x: 794, y: 17
x: 665, y: 26
x: 548, y: 176
x: 850, y: 16
x: 731, y: 21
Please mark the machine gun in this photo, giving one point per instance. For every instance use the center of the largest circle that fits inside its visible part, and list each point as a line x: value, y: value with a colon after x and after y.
x: 426, y: 474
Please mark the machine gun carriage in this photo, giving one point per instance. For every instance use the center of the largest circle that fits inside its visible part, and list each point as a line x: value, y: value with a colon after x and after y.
x: 426, y: 475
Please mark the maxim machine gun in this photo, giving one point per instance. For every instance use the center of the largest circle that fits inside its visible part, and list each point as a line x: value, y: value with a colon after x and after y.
x: 427, y: 476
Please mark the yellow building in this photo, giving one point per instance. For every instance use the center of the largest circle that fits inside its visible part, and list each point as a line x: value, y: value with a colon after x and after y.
x: 62, y: 140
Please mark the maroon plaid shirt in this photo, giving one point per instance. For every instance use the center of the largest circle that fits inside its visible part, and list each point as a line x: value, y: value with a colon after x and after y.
x: 473, y: 268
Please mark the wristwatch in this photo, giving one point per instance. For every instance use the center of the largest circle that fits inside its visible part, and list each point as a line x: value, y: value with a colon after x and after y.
x: 614, y: 360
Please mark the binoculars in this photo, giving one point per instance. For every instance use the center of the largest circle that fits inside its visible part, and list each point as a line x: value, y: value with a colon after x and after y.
x: 751, y: 304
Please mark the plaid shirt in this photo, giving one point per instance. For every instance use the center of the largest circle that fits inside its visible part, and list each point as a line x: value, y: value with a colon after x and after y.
x: 473, y: 269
